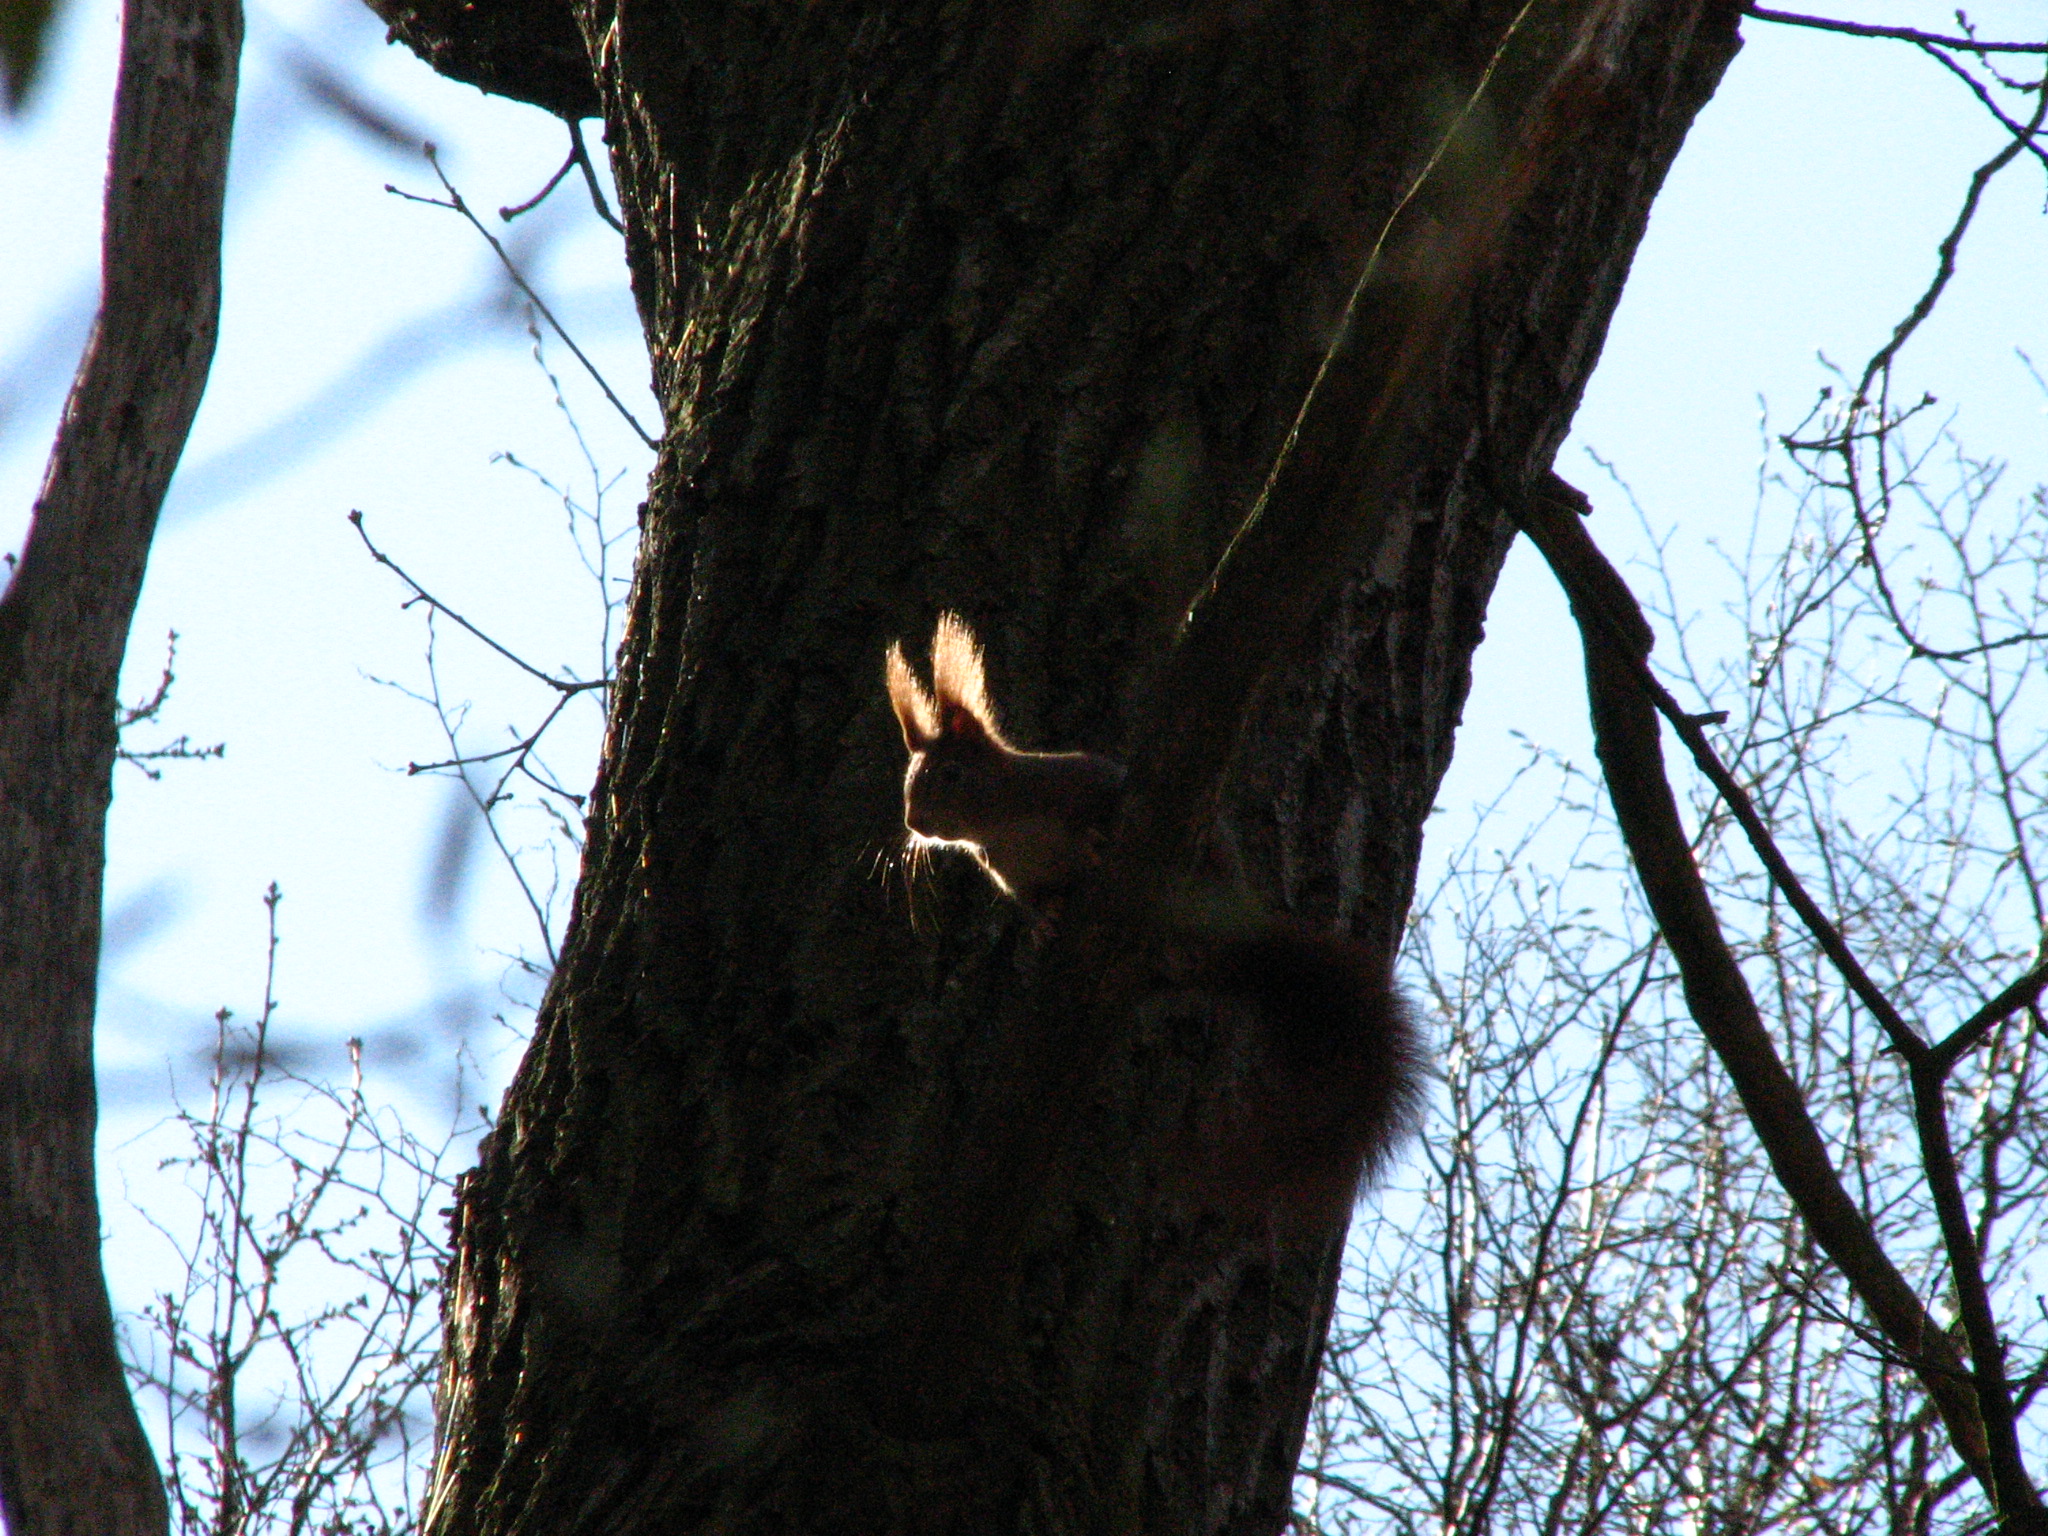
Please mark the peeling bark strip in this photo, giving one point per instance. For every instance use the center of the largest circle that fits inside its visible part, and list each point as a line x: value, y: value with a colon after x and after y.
x: 1008, y: 309
x: 72, y: 1454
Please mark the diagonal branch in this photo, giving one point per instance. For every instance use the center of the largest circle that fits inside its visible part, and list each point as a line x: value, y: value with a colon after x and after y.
x: 2023, y: 993
x: 457, y: 204
x: 564, y: 686
x: 1587, y: 577
x: 2022, y: 138
x: 1625, y: 700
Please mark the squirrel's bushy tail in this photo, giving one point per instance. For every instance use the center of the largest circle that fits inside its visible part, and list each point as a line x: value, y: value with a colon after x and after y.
x: 1341, y: 1084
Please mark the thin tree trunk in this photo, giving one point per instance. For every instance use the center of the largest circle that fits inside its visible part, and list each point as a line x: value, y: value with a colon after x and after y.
x: 73, y: 1457
x: 817, y: 1208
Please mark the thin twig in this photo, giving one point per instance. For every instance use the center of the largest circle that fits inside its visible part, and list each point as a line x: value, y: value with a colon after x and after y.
x: 1946, y: 267
x: 422, y: 595
x: 578, y: 158
x: 455, y: 202
x: 581, y: 156
x: 180, y: 750
x: 1478, y: 1516
x: 508, y: 214
x: 1903, y: 34
x: 485, y: 803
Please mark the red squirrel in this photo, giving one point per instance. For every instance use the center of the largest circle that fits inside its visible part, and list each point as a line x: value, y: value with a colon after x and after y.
x: 1034, y: 820
x: 1339, y: 1086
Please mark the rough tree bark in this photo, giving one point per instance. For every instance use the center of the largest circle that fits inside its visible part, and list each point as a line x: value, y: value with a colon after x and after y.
x: 72, y: 1454
x: 1006, y: 308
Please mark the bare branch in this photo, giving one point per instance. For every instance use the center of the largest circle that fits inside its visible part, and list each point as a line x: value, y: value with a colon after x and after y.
x: 1602, y: 597
x: 2017, y: 1500
x: 1945, y: 267
x: 1903, y: 34
x: 513, y: 210
x: 581, y: 155
x: 2022, y: 993
x: 1624, y: 718
x: 298, y: 1347
x: 455, y: 203
x: 422, y: 595
x: 180, y: 750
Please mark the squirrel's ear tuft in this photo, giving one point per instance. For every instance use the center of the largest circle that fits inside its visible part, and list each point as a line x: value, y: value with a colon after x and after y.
x: 915, y: 711
x: 958, y: 677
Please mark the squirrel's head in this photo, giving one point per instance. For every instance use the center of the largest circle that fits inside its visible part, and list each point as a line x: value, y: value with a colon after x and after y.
x: 960, y: 766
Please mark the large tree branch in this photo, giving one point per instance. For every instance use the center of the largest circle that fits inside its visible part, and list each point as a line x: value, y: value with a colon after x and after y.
x: 1624, y: 627
x: 1344, y: 474
x: 1625, y: 699
x: 72, y: 1454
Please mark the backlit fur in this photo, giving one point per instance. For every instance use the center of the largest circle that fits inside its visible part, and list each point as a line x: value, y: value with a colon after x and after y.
x: 1033, y: 820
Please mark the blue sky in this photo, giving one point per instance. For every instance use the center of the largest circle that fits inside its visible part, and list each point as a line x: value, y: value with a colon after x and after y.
x: 368, y: 361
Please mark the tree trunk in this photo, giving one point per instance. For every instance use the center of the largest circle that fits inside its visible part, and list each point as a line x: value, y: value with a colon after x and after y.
x: 73, y: 1458
x: 820, y: 1205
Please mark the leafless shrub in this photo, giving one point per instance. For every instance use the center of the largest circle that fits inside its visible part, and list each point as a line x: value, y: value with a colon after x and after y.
x: 1593, y: 1307
x: 290, y: 1360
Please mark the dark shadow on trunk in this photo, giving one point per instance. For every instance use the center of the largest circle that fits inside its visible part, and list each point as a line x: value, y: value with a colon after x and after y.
x: 802, y: 1218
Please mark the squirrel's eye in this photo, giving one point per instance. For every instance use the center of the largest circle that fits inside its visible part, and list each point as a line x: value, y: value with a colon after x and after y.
x: 947, y: 773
